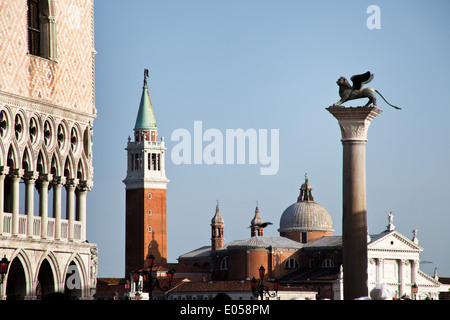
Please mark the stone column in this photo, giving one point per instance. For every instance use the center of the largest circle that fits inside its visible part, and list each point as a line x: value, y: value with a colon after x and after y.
x: 15, y: 175
x: 3, y: 172
x: 43, y: 182
x: 414, y: 278
x: 82, y: 191
x: 354, y: 123
x: 379, y: 266
x: 57, y: 183
x: 30, y: 179
x: 401, y: 277
x: 70, y: 206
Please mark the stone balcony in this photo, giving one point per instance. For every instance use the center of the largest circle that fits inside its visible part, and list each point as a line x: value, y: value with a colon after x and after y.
x: 34, y: 228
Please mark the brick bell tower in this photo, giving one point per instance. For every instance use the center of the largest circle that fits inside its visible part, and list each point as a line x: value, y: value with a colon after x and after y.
x: 145, y: 184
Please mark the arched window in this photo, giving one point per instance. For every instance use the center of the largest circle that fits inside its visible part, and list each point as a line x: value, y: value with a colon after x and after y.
x: 41, y: 30
x: 224, y: 264
x: 327, y: 263
x: 291, y: 263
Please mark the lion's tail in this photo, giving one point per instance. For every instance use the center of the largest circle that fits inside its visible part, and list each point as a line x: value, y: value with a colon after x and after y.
x: 386, y: 100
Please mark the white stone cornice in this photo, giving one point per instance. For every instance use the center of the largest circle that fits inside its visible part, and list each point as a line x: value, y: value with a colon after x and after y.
x: 40, y: 106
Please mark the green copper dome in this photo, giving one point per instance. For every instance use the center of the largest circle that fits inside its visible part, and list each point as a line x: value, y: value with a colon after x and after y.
x: 145, y: 118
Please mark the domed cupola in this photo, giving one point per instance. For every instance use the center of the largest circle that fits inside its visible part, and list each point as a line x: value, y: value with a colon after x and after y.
x: 305, y: 220
x: 257, y: 224
x: 217, y: 228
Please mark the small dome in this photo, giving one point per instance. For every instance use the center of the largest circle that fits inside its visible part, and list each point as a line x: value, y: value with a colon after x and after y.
x: 306, y: 214
x: 256, y: 221
x: 217, y: 220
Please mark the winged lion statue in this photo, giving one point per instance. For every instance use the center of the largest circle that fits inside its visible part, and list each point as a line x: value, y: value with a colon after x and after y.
x: 356, y: 91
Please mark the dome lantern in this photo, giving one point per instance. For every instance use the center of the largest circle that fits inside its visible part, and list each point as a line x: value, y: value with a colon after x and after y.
x: 305, y: 220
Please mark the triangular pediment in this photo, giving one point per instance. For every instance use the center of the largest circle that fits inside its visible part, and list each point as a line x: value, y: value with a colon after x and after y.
x: 392, y: 240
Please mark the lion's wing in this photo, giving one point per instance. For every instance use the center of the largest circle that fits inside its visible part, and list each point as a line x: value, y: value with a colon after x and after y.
x: 359, y: 80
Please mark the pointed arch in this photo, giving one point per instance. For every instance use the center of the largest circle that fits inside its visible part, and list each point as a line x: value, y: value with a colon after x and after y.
x: 19, y: 274
x: 41, y: 164
x: 81, y: 170
x: 68, y: 168
x: 70, y: 274
x: 12, y: 159
x: 55, y: 165
x: 52, y: 261
x: 27, y: 160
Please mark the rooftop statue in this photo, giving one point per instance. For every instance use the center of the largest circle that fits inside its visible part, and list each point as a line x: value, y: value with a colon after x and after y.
x: 349, y: 92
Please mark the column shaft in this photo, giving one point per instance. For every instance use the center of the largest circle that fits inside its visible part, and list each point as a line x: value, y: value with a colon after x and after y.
x: 354, y: 219
x: 2, y: 195
x: 354, y: 123
x: 57, y: 208
x: 15, y: 203
x: 81, y: 211
x: 401, y: 277
x: 70, y: 208
x: 29, y: 204
x: 43, y: 206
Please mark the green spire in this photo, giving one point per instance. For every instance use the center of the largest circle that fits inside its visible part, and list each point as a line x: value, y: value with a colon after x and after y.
x: 145, y: 118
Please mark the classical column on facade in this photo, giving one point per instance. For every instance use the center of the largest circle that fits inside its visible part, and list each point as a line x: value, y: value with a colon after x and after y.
x: 401, y: 276
x: 15, y: 176
x: 379, y: 268
x: 30, y: 179
x: 57, y: 184
x: 81, y: 193
x: 42, y: 185
x: 3, y: 172
x: 414, y: 271
x: 71, y: 184
x: 354, y: 123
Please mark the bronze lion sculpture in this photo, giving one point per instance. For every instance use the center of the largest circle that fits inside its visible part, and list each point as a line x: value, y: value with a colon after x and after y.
x: 349, y: 92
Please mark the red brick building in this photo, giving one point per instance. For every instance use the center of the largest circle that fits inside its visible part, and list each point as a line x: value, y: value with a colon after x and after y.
x: 146, y: 184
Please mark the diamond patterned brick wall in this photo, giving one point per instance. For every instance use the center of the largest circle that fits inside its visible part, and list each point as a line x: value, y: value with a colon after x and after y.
x: 68, y: 80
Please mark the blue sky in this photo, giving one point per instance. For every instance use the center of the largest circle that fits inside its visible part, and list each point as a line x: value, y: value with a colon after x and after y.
x: 260, y: 64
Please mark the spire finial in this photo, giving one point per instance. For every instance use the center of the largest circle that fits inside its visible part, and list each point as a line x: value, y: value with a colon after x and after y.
x: 145, y: 77
x: 306, y: 177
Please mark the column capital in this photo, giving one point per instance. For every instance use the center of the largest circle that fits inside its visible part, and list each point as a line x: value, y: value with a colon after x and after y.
x: 45, y: 177
x: 16, y: 173
x: 61, y: 180
x: 30, y: 175
x: 84, y: 185
x: 354, y: 122
x: 71, y: 182
x: 4, y: 170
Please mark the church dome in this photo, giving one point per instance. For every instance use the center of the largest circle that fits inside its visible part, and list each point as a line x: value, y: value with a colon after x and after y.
x: 305, y: 215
